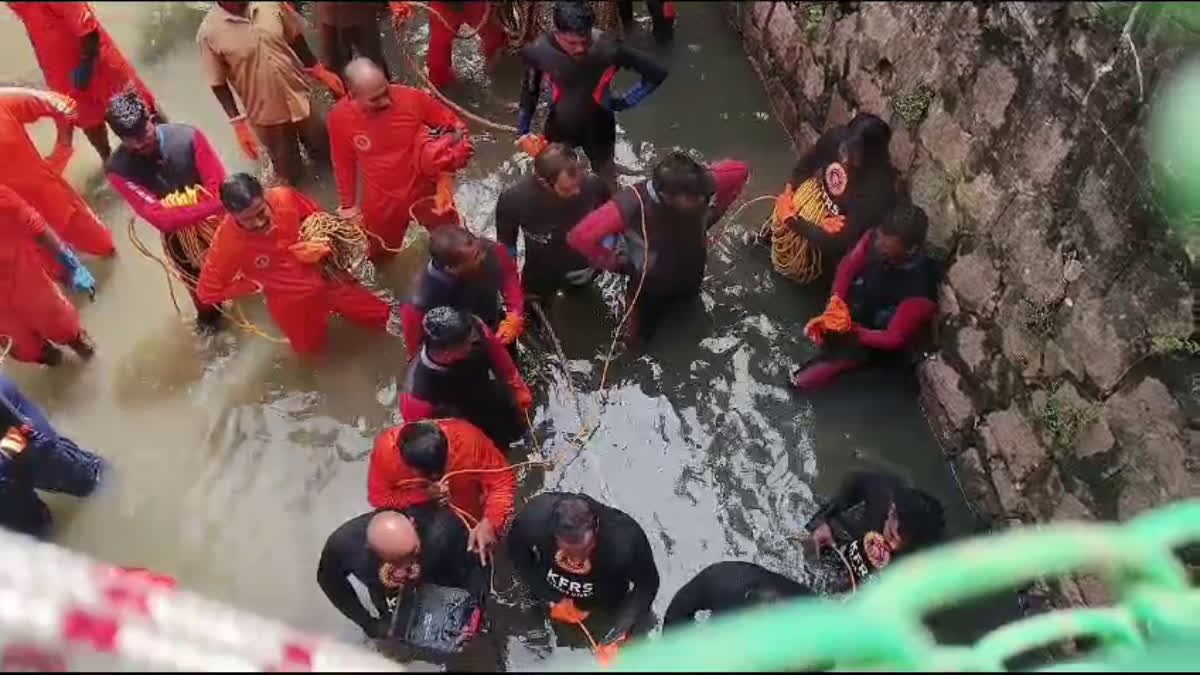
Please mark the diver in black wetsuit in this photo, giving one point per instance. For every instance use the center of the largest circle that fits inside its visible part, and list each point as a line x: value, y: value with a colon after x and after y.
x: 576, y: 553
x: 394, y: 553
x: 729, y: 585
x: 580, y: 61
x: 874, y: 518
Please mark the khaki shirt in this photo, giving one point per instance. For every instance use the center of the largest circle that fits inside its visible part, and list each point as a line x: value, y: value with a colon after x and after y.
x: 252, y: 55
x: 349, y: 14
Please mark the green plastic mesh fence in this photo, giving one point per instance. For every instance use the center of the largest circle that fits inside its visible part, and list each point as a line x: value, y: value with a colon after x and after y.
x: 880, y: 628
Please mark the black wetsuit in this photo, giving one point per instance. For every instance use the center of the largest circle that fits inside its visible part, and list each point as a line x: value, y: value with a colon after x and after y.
x: 623, y: 575
x: 858, y: 511
x: 871, y: 193
x: 663, y: 18
x: 726, y: 586
x: 582, y: 107
x: 545, y: 218
x: 444, y: 561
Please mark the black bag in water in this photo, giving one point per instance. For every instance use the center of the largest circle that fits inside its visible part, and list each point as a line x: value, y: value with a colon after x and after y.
x: 435, y: 617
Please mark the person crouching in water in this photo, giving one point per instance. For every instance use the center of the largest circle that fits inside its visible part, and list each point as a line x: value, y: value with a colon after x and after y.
x: 157, y: 160
x: 469, y: 273
x: 576, y: 554
x: 257, y: 248
x: 680, y: 203
x: 463, y: 371
x: 33, y: 456
x: 884, y: 295
x: 544, y: 206
x: 408, y: 464
x: 394, y: 553
x: 874, y: 518
x: 728, y: 586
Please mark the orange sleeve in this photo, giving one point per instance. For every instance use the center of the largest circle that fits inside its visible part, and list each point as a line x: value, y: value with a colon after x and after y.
x: 30, y: 105
x: 77, y: 17
x: 342, y: 155
x: 498, y: 488
x: 221, y: 265
x: 303, y: 204
x: 435, y: 113
x: 385, y: 469
x: 17, y: 213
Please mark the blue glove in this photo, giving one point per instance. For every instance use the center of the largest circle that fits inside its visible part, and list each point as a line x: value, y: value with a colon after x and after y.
x: 81, y: 280
x: 614, y: 103
x: 637, y: 94
x: 524, y: 121
x: 81, y: 77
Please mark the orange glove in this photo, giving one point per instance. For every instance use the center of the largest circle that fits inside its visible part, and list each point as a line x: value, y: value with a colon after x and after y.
x: 401, y: 13
x: 443, y: 198
x: 833, y: 224
x: 785, y: 208
x: 606, y: 653
x: 510, y: 328
x: 532, y: 144
x: 524, y: 398
x: 566, y: 612
x: 310, y: 252
x: 326, y: 77
x: 835, y: 319
x: 245, y: 137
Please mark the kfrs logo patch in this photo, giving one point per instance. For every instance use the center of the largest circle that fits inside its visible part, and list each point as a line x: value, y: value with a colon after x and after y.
x: 566, y: 586
x: 262, y: 261
x: 362, y: 142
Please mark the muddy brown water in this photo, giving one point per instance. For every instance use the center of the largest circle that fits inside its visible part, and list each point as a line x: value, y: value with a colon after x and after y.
x: 233, y: 460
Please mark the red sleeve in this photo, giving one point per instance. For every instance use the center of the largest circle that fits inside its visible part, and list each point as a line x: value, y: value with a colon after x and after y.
x: 410, y: 325
x: 304, y: 204
x: 586, y: 237
x: 730, y: 177
x: 851, y: 265
x: 413, y: 408
x: 341, y: 151
x: 77, y: 17
x: 385, y: 470
x: 208, y: 165
x: 30, y: 105
x: 910, y: 316
x: 499, y: 488
x: 510, y: 282
x: 435, y: 113
x: 164, y: 219
x: 17, y: 212
x: 502, y: 363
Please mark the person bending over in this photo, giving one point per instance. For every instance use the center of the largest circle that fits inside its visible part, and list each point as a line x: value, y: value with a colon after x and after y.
x: 727, y: 586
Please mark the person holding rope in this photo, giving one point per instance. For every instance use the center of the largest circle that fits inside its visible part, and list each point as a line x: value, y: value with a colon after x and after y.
x: 579, y: 62
x: 34, y: 314
x: 79, y: 59
x: 154, y: 162
x: 348, y: 29
x: 394, y: 553
x: 480, y: 17
x: 258, y: 248
x: 39, y: 179
x: 874, y: 518
x: 656, y: 233
x: 258, y: 50
x: 729, y: 586
x: 33, y: 456
x: 843, y: 186
x: 444, y: 460
x: 469, y: 273
x: 577, y: 555
x: 884, y: 296
x: 463, y: 371
x: 544, y: 206
x: 406, y: 146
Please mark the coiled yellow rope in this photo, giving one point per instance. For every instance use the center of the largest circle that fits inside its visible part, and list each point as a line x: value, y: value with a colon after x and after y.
x: 791, y: 254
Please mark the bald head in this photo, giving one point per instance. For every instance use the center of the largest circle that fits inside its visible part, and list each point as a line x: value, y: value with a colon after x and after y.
x: 392, y: 537
x: 367, y: 84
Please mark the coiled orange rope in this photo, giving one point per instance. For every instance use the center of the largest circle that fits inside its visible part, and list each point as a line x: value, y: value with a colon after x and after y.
x: 791, y: 254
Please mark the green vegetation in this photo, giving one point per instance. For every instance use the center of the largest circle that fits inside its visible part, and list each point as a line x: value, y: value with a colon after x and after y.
x: 912, y: 105
x: 813, y: 15
x: 1063, y: 422
x: 1041, y: 320
x: 1176, y: 346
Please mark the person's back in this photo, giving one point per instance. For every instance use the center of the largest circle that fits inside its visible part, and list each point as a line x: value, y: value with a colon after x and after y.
x: 729, y: 585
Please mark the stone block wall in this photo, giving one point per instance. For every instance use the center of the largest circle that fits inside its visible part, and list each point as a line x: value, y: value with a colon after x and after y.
x: 1019, y: 128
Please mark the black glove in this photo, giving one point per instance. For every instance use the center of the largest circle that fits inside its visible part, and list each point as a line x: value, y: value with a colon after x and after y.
x: 615, y: 634
x: 376, y: 628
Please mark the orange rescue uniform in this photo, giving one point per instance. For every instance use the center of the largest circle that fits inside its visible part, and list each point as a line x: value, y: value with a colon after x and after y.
x: 391, y: 483
x: 32, y: 308
x: 383, y: 148
x: 299, y: 297
x: 37, y: 180
x: 55, y: 31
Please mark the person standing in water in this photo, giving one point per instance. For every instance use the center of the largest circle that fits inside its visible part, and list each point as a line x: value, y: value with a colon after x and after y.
x: 79, y: 59
x: 579, y: 63
x: 576, y: 554
x: 543, y: 207
x: 155, y: 160
x: 347, y: 28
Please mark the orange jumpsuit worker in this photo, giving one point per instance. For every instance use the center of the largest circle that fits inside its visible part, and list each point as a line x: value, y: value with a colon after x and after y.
x: 430, y: 449
x: 442, y: 31
x: 255, y: 248
x: 38, y: 179
x: 78, y: 58
x: 33, y: 312
x: 405, y: 145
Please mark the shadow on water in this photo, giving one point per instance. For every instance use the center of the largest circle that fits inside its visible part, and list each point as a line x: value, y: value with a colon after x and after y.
x: 233, y: 460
